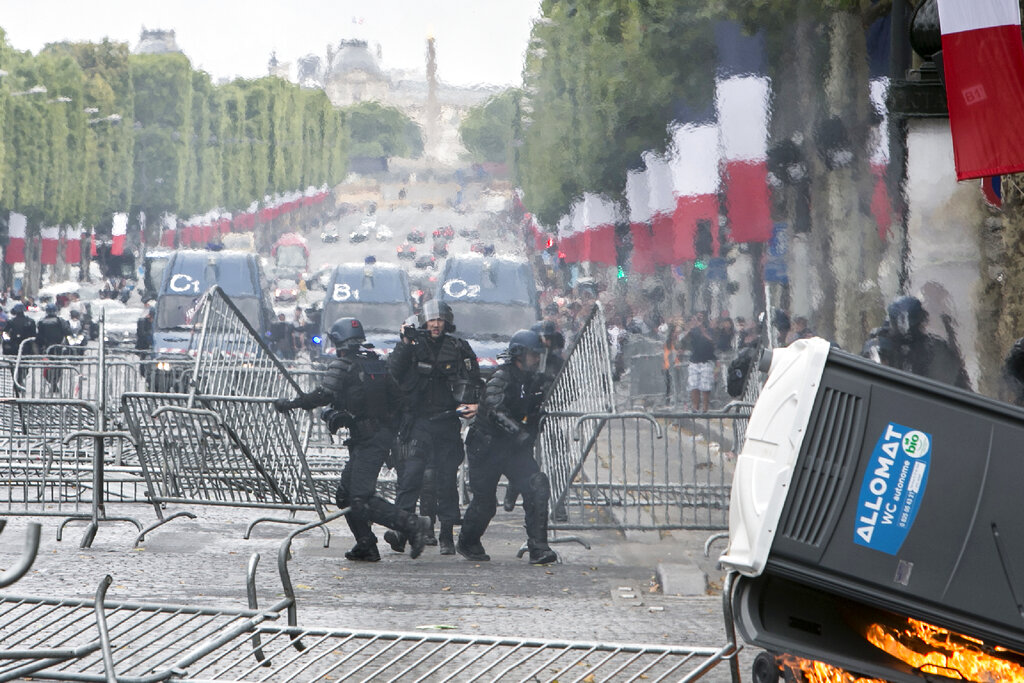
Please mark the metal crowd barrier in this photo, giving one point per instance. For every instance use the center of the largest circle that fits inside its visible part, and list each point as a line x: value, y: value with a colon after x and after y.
x: 584, y: 385
x: 103, y: 640
x: 651, y: 471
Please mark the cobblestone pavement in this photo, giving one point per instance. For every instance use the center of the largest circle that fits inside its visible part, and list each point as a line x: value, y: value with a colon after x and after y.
x: 607, y: 593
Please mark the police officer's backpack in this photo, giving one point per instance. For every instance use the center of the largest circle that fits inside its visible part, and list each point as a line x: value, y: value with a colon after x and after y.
x: 739, y: 369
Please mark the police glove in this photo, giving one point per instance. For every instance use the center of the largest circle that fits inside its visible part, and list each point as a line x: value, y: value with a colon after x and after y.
x: 283, y: 405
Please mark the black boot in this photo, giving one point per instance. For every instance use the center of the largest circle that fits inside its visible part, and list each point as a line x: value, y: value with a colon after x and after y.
x: 417, y: 532
x: 396, y: 540
x: 541, y: 553
x: 446, y: 538
x: 535, y: 504
x: 472, y: 551
x: 430, y: 539
x: 365, y: 550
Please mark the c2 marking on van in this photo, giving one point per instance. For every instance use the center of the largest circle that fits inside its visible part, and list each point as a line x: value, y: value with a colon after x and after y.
x: 457, y: 288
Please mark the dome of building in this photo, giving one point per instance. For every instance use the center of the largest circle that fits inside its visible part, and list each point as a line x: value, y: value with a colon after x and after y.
x: 354, y: 55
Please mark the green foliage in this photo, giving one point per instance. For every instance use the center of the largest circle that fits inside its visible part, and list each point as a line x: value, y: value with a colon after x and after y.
x: 488, y: 129
x: 380, y: 131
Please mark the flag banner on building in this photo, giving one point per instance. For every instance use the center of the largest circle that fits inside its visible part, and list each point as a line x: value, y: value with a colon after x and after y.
x: 983, y: 60
x: 662, y: 205
x: 599, y: 214
x: 881, y: 203
x: 168, y: 230
x: 638, y: 198
x: 117, y: 233
x: 992, y: 191
x: 50, y: 237
x: 572, y: 244
x: 695, y: 182
x: 743, y: 105
x: 15, y: 252
x: 73, y: 244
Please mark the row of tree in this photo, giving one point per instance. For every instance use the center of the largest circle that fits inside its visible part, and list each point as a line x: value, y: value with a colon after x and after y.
x: 89, y: 129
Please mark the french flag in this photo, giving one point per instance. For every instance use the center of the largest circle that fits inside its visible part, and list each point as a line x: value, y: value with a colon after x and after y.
x: 695, y: 180
x: 15, y: 252
x: 742, y: 101
x: 51, y: 241
x: 992, y: 191
x: 638, y: 198
x: 599, y: 230
x: 983, y: 60
x: 573, y: 243
x: 118, y: 233
x: 662, y: 205
x: 169, y: 230
x: 881, y: 203
x: 73, y: 244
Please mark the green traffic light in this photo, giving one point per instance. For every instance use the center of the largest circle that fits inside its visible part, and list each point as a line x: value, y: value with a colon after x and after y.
x: 700, y: 265
x: 622, y: 273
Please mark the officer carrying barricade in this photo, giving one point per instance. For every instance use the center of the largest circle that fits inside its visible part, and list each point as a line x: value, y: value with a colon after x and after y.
x: 500, y: 441
x: 439, y: 377
x: 361, y: 396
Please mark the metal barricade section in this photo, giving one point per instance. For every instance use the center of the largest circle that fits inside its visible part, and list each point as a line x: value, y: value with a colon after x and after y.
x: 584, y: 385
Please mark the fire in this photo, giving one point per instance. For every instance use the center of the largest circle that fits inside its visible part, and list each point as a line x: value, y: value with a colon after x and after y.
x: 820, y: 672
x: 936, y: 650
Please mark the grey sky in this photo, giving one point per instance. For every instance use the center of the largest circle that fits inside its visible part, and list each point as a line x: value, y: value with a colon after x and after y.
x: 478, y: 41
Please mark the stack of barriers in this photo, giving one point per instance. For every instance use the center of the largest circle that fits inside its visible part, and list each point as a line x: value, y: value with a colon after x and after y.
x: 222, y: 443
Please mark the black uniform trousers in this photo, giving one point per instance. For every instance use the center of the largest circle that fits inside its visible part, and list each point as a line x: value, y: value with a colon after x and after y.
x: 358, y: 488
x: 489, y: 458
x: 437, y: 445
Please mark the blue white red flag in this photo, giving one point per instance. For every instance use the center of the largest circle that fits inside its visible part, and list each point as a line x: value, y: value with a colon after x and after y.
x: 983, y: 58
x: 992, y: 190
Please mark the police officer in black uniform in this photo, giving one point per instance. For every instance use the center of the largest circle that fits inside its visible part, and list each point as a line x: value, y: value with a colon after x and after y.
x: 19, y: 328
x: 904, y: 343
x: 439, y: 376
x: 51, y: 336
x: 501, y: 442
x: 362, y: 397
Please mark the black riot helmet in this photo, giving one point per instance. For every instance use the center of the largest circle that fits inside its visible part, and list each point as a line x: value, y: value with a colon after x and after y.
x: 434, y: 309
x: 906, y: 315
x: 522, y: 342
x: 51, y: 309
x: 346, y: 334
x: 545, y: 328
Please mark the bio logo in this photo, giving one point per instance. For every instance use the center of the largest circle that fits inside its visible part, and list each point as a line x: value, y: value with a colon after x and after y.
x: 915, y: 444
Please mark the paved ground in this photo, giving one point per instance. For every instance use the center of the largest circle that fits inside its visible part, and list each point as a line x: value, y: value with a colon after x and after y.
x: 608, y: 593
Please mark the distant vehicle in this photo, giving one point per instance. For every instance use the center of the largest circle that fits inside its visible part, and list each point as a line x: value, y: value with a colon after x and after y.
x: 329, y: 234
x: 190, y: 274
x: 286, y: 290
x: 291, y: 256
x: 368, y: 222
x: 406, y: 251
x: 384, y: 233
x: 425, y: 261
x: 444, y: 232
x: 359, y: 235
x: 491, y: 297
x: 426, y: 207
x: 417, y: 236
x: 484, y: 248
x: 469, y: 233
x: 439, y: 248
x: 239, y: 241
x: 377, y: 294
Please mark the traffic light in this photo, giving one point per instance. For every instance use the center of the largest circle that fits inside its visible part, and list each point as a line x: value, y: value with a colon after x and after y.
x: 703, y: 245
x: 621, y: 274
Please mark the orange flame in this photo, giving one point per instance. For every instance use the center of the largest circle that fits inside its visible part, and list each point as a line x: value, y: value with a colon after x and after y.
x: 930, y: 649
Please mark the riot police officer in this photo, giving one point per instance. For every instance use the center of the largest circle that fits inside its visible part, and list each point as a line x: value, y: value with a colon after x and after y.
x: 501, y: 442
x: 19, y: 328
x: 362, y: 397
x: 51, y: 330
x: 439, y: 376
x: 904, y: 343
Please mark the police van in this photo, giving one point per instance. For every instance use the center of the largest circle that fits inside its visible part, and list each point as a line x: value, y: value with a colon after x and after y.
x: 188, y: 275
x: 378, y: 294
x: 492, y: 297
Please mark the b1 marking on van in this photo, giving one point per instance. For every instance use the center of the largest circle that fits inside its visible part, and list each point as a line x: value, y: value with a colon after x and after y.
x: 892, y: 488
x: 343, y: 292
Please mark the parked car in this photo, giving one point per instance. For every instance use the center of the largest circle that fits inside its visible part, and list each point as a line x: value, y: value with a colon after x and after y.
x: 445, y: 232
x: 286, y: 290
x: 417, y: 236
x: 368, y: 223
x: 360, y: 234
x: 426, y: 261
x: 406, y: 251
x: 329, y: 234
x: 469, y: 233
x: 439, y: 248
x: 384, y: 233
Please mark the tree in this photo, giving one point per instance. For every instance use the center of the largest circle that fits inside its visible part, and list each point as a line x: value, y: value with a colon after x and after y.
x: 380, y: 131
x: 487, y: 130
